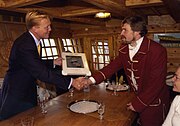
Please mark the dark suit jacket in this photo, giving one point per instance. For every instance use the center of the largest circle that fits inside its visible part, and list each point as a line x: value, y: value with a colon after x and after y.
x: 25, y: 67
x: 150, y: 68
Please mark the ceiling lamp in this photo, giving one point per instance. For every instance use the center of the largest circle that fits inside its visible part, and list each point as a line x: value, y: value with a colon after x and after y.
x: 103, y: 15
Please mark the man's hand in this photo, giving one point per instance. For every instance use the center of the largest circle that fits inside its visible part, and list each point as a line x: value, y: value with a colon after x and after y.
x: 80, y: 82
x: 130, y: 107
x: 58, y: 61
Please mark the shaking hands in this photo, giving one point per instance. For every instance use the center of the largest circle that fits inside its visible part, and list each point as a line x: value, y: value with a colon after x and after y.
x: 80, y: 82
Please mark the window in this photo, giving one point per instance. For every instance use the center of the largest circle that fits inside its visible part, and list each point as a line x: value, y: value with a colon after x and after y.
x: 72, y: 45
x: 49, y: 49
x: 52, y: 47
x: 100, y: 53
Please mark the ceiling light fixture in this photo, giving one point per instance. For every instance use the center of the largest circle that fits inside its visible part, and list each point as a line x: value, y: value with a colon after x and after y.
x: 103, y: 15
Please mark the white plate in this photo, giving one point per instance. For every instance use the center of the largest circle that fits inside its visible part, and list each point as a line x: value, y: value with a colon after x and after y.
x: 121, y: 87
x: 83, y: 106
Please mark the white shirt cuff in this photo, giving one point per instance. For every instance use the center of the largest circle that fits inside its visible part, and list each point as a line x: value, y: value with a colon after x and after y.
x: 93, y: 80
x: 70, y: 83
x: 54, y: 66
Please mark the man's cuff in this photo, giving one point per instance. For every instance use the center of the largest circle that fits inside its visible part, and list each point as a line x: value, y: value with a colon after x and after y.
x: 70, y: 83
x: 92, y: 80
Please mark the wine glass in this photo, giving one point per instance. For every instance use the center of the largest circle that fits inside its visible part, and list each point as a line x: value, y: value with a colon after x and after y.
x: 101, y: 110
x: 42, y: 103
x: 108, y: 82
x: 86, y: 88
x: 71, y: 92
x: 115, y: 86
x: 27, y: 121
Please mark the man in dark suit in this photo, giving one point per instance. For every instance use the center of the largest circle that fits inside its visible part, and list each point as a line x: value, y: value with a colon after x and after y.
x: 19, y: 91
x: 145, y: 64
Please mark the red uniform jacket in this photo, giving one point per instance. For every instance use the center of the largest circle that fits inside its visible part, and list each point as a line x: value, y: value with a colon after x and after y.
x: 149, y: 66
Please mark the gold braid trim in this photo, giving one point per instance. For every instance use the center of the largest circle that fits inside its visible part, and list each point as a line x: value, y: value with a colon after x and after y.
x: 103, y: 75
x: 154, y: 105
x: 142, y: 102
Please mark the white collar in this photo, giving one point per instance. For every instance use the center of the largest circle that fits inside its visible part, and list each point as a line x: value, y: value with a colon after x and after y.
x: 138, y: 42
x: 35, y: 39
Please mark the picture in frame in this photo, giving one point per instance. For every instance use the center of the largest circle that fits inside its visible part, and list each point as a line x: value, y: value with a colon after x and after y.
x: 169, y: 40
x: 75, y: 64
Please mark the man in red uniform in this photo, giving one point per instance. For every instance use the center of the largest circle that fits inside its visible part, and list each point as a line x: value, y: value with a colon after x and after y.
x: 145, y: 64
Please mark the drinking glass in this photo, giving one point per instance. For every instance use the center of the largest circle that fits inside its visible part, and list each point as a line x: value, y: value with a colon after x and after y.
x: 101, y: 110
x: 42, y: 103
x: 27, y: 121
x: 71, y: 92
x: 115, y: 86
x: 86, y: 88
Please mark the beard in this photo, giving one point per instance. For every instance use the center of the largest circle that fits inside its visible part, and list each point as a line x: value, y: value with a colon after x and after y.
x: 123, y: 39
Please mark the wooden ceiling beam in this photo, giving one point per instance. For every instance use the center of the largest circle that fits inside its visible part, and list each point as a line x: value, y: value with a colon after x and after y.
x: 81, y: 12
x: 2, y: 3
x: 113, y: 6
x: 74, y: 12
x: 174, y: 9
x: 155, y: 11
x: 173, y: 6
x: 18, y: 3
x: 54, y: 14
x: 85, y: 21
x: 142, y: 3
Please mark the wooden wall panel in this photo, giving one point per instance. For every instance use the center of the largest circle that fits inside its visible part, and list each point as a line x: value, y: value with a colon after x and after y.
x: 60, y: 30
x: 3, y: 34
x: 173, y: 59
x: 14, y: 30
x: 8, y: 33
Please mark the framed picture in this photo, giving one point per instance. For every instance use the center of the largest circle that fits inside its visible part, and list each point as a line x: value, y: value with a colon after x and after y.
x: 75, y: 64
x: 170, y: 40
x: 167, y: 36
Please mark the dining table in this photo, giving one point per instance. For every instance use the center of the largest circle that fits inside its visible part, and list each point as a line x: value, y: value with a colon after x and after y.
x: 60, y: 114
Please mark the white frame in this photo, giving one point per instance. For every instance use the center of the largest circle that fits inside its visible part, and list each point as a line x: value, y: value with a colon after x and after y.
x: 70, y: 68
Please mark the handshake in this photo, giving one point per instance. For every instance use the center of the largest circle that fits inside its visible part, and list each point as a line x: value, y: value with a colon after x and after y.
x: 80, y: 82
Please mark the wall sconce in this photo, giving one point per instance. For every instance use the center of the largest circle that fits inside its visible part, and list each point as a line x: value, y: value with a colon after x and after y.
x: 103, y: 15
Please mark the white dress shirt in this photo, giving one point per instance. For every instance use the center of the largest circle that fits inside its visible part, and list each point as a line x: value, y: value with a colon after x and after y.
x: 173, y: 117
x: 35, y: 39
x: 132, y: 52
